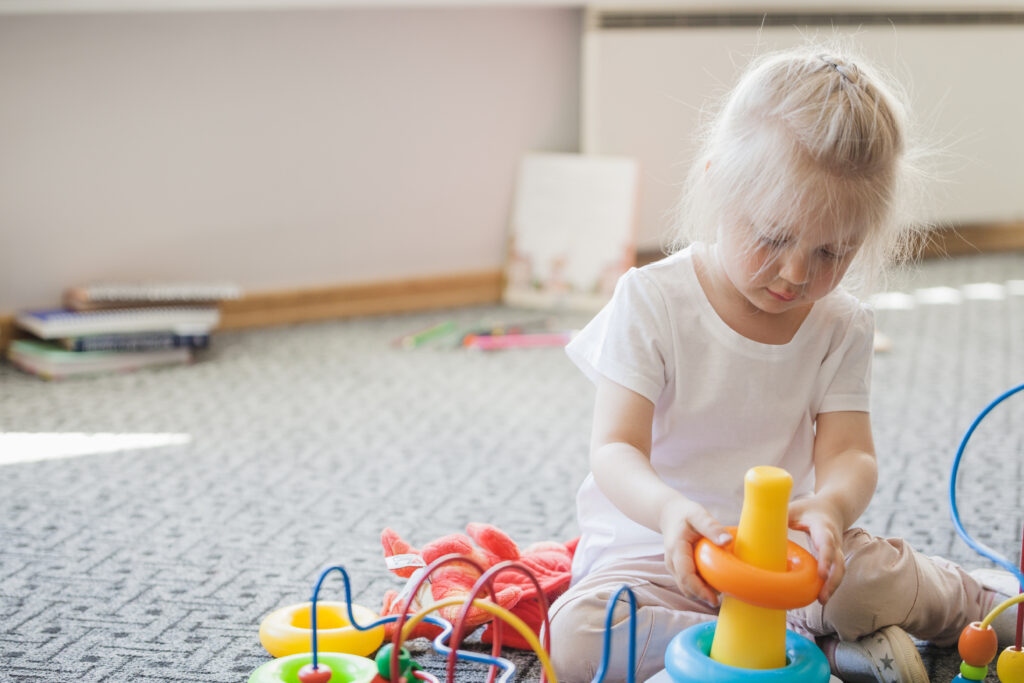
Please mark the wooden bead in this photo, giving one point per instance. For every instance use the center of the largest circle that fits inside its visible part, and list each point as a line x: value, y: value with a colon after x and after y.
x: 973, y: 673
x: 978, y: 646
x: 1010, y: 666
x: 321, y: 674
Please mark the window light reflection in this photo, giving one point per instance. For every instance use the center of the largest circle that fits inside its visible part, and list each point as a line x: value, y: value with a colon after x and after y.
x: 978, y: 291
x: 18, y: 447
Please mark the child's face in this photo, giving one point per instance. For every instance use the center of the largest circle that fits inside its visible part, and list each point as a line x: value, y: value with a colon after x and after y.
x: 781, y: 270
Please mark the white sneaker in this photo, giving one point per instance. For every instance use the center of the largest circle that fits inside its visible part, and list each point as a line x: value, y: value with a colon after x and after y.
x: 888, y: 655
x: 999, y: 585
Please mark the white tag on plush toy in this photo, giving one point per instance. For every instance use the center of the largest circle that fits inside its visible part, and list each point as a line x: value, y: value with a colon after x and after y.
x: 403, y: 561
x: 406, y: 591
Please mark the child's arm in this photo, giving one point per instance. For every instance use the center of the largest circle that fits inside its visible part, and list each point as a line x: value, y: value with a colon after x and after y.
x: 845, y: 475
x: 620, y: 458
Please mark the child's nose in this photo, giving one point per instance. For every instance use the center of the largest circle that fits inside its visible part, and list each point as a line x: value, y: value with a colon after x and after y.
x: 795, y: 268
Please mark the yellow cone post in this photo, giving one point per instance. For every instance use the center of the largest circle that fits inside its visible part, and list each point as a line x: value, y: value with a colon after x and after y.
x: 747, y: 636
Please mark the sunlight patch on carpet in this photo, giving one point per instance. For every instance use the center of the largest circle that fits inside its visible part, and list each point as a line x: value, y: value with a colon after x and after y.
x: 978, y: 291
x: 18, y: 447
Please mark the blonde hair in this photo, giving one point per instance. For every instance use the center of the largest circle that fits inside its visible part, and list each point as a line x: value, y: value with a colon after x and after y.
x: 810, y: 134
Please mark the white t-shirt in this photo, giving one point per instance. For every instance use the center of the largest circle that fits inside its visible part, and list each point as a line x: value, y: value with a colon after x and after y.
x: 723, y: 403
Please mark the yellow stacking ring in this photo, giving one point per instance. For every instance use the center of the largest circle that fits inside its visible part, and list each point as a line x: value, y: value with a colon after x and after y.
x: 287, y: 631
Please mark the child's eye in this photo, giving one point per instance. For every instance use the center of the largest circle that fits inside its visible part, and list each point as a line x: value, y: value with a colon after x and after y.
x: 772, y: 242
x: 831, y: 254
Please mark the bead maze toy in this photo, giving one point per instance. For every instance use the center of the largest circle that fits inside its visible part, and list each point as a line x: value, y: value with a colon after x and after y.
x: 283, y: 627
x: 760, y: 574
x: 978, y: 643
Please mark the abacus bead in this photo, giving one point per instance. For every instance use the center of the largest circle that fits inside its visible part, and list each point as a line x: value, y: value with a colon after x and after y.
x: 978, y: 646
x: 321, y: 674
x: 973, y: 673
x: 1010, y: 666
x: 383, y: 660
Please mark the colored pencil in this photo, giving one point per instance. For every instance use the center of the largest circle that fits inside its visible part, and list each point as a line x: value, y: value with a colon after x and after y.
x: 411, y: 341
x: 518, y: 341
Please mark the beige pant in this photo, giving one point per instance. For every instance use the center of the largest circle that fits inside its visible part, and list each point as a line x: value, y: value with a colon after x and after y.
x: 886, y: 582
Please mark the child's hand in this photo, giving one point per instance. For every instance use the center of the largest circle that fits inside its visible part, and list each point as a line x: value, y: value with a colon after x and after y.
x: 683, y: 523
x: 820, y: 520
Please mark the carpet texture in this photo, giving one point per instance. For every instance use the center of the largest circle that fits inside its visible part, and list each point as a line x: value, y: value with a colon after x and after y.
x: 292, y: 448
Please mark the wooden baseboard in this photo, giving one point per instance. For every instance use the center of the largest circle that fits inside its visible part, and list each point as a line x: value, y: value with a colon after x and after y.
x: 264, y: 309
x: 398, y: 296
x: 484, y: 287
x: 6, y: 332
x: 974, y: 239
x: 944, y: 242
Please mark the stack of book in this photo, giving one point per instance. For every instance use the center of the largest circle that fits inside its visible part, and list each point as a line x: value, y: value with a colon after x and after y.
x: 109, y: 328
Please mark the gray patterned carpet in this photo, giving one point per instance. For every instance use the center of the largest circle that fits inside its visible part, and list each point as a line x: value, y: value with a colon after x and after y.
x: 298, y: 445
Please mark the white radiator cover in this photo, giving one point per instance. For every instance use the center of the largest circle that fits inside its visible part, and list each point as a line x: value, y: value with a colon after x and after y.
x: 643, y: 90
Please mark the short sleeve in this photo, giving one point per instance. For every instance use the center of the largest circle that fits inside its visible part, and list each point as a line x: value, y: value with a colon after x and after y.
x: 850, y: 385
x: 628, y: 340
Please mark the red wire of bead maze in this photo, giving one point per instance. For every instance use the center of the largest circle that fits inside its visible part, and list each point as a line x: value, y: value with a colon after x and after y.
x: 485, y: 582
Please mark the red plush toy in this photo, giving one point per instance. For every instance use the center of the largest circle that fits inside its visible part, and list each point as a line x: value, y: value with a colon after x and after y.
x: 550, y: 562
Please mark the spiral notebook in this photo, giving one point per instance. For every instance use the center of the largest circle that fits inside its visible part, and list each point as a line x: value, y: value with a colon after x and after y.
x: 49, y: 361
x: 60, y: 322
x: 136, y: 294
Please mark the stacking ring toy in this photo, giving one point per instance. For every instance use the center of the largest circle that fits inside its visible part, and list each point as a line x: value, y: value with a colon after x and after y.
x: 687, y: 659
x: 799, y: 585
x: 345, y: 668
x: 287, y: 631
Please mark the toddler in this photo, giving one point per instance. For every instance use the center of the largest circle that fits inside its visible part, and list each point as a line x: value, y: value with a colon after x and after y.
x: 741, y: 349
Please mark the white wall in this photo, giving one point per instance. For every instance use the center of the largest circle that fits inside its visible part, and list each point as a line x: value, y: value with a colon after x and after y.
x: 277, y: 149
x: 646, y: 90
x: 39, y: 6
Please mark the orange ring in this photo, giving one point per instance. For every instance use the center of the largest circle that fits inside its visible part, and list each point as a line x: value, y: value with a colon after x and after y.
x: 799, y: 585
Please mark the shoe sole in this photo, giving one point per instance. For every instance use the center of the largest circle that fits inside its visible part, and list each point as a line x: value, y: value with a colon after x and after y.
x: 904, y: 645
x: 903, y: 650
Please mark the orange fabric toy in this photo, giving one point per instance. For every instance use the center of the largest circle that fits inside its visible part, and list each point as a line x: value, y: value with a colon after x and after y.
x: 550, y: 562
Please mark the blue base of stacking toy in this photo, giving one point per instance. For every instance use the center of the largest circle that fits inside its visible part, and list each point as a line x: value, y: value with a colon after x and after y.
x: 687, y: 660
